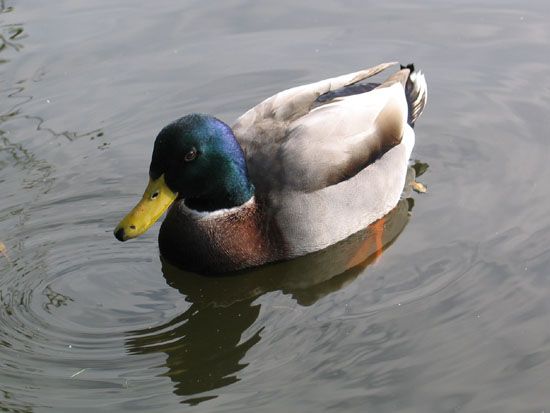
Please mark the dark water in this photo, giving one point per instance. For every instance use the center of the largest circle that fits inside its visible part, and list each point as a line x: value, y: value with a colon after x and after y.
x: 452, y: 317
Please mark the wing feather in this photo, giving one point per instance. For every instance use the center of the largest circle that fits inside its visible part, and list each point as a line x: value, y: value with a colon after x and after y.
x: 294, y: 142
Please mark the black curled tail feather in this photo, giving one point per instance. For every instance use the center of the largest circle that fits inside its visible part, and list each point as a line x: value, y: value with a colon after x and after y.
x: 416, y: 91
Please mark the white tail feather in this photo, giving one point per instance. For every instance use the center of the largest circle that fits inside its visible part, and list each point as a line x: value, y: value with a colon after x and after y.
x: 417, y: 95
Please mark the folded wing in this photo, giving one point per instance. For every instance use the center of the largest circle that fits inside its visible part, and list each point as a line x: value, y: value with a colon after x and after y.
x: 317, y: 135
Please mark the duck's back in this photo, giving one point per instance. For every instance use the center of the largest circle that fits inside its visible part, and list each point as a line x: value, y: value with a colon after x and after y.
x: 328, y: 159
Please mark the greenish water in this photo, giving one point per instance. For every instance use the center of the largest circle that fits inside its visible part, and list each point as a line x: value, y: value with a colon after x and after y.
x: 452, y: 317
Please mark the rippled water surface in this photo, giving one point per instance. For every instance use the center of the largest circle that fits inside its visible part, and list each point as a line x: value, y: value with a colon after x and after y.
x: 453, y: 316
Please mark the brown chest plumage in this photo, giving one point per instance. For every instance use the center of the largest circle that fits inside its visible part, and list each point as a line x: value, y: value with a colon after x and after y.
x: 219, y: 242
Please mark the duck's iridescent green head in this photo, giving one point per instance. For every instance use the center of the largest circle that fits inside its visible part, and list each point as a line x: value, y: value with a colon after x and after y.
x: 195, y: 158
x: 202, y: 162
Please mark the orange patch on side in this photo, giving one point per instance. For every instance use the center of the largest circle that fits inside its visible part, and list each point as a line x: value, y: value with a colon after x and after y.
x: 366, y: 248
x: 378, y: 228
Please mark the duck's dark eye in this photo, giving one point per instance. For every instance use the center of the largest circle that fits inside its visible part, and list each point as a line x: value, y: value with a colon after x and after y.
x: 191, y: 155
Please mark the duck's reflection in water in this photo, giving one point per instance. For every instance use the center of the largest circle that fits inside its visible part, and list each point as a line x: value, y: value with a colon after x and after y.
x: 204, y: 345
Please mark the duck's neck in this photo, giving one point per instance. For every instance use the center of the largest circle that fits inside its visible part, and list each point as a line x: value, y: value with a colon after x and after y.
x: 230, y: 190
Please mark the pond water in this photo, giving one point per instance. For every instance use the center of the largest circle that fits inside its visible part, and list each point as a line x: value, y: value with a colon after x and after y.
x: 452, y: 316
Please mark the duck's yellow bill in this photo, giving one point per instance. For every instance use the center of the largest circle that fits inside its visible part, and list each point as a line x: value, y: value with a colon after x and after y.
x: 156, y: 199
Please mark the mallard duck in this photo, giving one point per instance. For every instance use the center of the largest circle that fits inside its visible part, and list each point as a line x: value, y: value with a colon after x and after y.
x: 300, y: 171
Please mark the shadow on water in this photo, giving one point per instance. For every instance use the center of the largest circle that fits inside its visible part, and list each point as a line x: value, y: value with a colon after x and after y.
x: 205, y: 344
